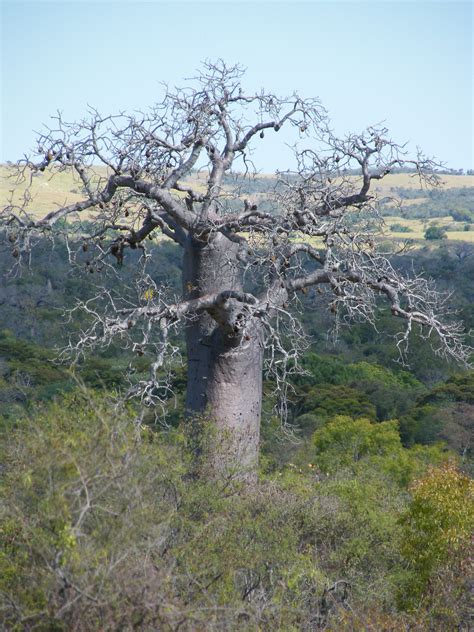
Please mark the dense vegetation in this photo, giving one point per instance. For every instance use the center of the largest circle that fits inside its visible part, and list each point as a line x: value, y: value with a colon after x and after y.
x: 361, y: 519
x: 105, y: 527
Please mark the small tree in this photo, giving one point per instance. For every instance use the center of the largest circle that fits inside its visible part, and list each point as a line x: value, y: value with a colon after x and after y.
x: 437, y: 536
x: 245, y: 258
x: 435, y: 232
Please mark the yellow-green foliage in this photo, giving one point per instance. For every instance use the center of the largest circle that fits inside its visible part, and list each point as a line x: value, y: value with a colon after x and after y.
x: 81, y: 490
x: 359, y: 444
x: 105, y: 526
x: 441, y: 516
x: 417, y: 228
x: 437, y: 530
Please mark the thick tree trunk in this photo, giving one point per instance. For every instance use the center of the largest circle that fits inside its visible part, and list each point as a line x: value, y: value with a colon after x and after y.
x: 224, y: 390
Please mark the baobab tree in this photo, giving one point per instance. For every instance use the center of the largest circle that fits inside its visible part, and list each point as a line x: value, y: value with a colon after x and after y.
x: 182, y: 169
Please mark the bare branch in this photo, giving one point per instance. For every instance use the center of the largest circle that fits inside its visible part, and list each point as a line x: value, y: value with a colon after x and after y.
x: 247, y: 254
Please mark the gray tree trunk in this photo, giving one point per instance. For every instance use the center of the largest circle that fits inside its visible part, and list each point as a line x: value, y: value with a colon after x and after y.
x: 224, y: 390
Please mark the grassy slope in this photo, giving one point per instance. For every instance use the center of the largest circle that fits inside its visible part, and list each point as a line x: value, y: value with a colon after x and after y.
x: 47, y: 193
x: 418, y: 227
x: 410, y: 181
x: 50, y: 192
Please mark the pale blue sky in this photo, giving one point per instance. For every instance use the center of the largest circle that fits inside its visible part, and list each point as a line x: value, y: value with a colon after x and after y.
x: 408, y: 63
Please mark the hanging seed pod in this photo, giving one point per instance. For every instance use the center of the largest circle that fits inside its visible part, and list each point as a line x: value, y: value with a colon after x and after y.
x: 262, y: 135
x: 127, y: 212
x: 15, y: 253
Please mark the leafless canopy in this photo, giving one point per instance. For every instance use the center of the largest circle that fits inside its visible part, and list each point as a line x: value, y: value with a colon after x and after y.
x: 173, y: 169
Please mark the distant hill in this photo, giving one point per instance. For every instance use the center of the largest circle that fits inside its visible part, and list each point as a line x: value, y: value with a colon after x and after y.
x: 451, y: 206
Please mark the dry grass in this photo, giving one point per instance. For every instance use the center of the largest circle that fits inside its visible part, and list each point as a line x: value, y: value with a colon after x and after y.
x: 461, y: 236
x: 47, y: 193
x: 411, y: 181
x: 50, y: 192
x: 419, y: 226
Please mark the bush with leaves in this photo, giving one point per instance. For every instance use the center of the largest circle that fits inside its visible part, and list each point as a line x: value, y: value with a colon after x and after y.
x: 357, y: 445
x: 104, y: 526
x: 331, y: 387
x: 445, y: 412
x: 328, y: 400
x: 400, y: 228
x: 435, y: 232
x: 87, y: 494
x: 437, y: 533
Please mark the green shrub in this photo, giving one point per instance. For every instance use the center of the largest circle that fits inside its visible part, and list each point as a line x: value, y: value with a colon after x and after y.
x: 104, y: 526
x: 328, y: 400
x: 437, y: 532
x: 360, y: 444
x: 435, y: 232
x: 400, y: 228
x: 86, y: 494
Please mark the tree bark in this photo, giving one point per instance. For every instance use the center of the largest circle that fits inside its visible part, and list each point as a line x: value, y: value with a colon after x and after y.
x: 224, y: 388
